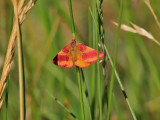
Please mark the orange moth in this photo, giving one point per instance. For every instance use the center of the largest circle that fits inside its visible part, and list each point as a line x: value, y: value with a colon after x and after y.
x: 76, y: 54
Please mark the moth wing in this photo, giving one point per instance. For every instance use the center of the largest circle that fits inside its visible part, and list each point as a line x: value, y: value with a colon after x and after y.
x: 63, y: 59
x: 86, y: 56
x: 80, y: 62
x: 89, y: 54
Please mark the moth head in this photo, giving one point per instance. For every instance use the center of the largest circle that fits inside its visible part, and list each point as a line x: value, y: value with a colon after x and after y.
x: 73, y: 43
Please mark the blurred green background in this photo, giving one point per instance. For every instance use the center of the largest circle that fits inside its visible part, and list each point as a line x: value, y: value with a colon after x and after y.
x: 46, y: 30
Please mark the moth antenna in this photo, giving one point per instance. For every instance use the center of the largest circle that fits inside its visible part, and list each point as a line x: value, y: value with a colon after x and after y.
x: 73, y: 43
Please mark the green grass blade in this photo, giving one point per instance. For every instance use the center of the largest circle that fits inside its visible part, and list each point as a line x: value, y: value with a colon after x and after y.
x: 97, y: 36
x: 80, y: 93
x: 114, y: 61
x: 86, y: 98
x: 98, y: 67
x: 61, y: 104
x: 121, y: 86
x: 77, y: 68
x: 72, y: 20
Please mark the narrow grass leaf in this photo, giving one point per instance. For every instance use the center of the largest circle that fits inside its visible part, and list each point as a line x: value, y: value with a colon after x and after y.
x: 61, y: 104
x: 121, y: 85
x: 114, y: 61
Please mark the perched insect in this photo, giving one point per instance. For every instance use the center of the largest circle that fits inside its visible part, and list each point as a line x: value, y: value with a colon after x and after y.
x: 76, y: 54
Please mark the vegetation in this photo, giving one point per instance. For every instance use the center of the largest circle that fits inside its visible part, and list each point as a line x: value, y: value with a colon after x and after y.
x: 124, y: 85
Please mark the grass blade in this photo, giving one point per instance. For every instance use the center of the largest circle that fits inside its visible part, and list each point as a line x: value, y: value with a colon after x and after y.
x: 86, y: 98
x: 11, y: 46
x: 97, y: 36
x: 20, y: 64
x: 80, y: 93
x: 147, y: 2
x: 72, y: 20
x: 114, y: 61
x: 77, y: 68
x: 6, y: 98
x: 61, y: 104
x: 121, y: 85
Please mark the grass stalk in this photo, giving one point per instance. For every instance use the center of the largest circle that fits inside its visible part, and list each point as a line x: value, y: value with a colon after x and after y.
x: 62, y: 105
x: 77, y: 68
x: 114, y: 61
x: 117, y: 76
x: 20, y: 64
x: 7, y: 82
x: 93, y: 67
x: 87, y: 106
x: 6, y: 98
x: 147, y: 2
x: 98, y: 66
x: 121, y: 85
x: 72, y: 19
x: 94, y: 16
x: 80, y: 93
x: 10, y: 49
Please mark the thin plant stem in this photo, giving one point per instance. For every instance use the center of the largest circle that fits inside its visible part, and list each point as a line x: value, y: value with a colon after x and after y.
x: 62, y: 105
x: 77, y: 68
x: 147, y: 2
x: 11, y: 46
x: 20, y: 65
x: 80, y: 93
x: 114, y: 61
x: 86, y: 94
x: 6, y: 98
x: 72, y: 19
x: 93, y: 67
x: 98, y: 66
x: 117, y: 76
x: 7, y: 82
x: 121, y: 85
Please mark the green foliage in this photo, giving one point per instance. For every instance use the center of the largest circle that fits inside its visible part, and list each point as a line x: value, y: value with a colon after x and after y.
x: 137, y: 64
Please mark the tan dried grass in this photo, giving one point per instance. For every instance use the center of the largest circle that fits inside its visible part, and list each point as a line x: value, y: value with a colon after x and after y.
x: 22, y: 11
x: 138, y: 30
x: 22, y: 104
x: 1, y: 103
x: 147, y: 2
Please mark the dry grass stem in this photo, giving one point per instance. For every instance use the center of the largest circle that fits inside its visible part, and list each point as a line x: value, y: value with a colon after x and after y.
x: 19, y: 59
x: 147, y: 2
x: 11, y: 45
x: 46, y: 49
x: 1, y: 103
x: 138, y: 30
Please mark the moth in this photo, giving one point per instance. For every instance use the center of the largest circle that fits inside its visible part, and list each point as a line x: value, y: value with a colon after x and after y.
x: 76, y: 54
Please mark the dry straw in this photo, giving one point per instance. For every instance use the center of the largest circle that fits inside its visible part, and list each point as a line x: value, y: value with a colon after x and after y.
x: 147, y: 2
x: 138, y: 30
x: 22, y: 11
x: 1, y: 103
x: 21, y: 77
